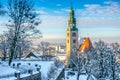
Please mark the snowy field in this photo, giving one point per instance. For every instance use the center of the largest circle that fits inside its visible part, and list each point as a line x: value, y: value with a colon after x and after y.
x: 7, y: 73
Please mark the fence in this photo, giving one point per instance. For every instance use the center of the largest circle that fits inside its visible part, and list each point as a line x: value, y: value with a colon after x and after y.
x: 30, y: 76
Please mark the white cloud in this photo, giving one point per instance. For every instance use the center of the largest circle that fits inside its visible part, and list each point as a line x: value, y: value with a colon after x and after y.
x: 49, y: 21
x: 53, y: 26
x: 65, y: 10
x: 91, y: 6
x: 3, y: 26
x: 41, y: 12
x: 109, y: 9
x: 98, y: 22
x: 58, y: 4
x: 111, y: 3
x: 57, y: 12
x: 53, y: 21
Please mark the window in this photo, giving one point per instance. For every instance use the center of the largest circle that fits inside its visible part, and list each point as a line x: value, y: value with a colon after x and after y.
x: 74, y: 34
x: 74, y: 41
x: 67, y: 41
x: 67, y: 34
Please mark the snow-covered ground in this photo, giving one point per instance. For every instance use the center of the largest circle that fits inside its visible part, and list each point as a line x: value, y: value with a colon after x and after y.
x: 72, y: 75
x: 26, y: 65
x: 7, y: 72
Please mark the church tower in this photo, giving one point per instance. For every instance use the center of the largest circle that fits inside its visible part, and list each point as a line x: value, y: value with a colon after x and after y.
x: 71, y: 37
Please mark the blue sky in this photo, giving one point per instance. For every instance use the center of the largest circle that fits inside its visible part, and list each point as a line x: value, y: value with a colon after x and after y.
x: 98, y: 19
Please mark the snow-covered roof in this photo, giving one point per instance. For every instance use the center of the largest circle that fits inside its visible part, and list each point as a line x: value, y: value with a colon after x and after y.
x: 31, y: 55
x: 81, y: 40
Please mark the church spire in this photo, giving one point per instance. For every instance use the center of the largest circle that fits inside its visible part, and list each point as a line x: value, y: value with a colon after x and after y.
x: 71, y: 6
x: 72, y: 20
x: 71, y: 37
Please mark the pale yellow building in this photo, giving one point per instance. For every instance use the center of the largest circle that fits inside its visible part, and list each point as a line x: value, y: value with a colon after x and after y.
x: 71, y: 38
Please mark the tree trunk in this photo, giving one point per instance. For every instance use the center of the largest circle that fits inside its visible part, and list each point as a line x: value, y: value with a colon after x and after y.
x: 11, y: 57
x: 88, y: 76
x: 20, y: 54
x: 78, y: 75
x: 4, y: 57
x: 113, y: 67
x: 12, y: 51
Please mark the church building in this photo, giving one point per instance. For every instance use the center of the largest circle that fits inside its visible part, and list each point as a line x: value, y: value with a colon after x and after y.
x: 72, y: 48
x: 71, y: 37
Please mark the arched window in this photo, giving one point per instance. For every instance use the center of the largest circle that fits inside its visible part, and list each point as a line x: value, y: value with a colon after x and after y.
x: 67, y: 41
x: 67, y: 34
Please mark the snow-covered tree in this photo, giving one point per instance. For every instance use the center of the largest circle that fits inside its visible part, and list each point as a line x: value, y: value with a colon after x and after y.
x: 92, y: 63
x: 117, y: 63
x: 22, y: 23
x: 5, y: 44
x: 23, y: 47
x: 115, y: 45
x: 99, y: 61
x: 52, y: 72
x: 43, y: 47
x: 79, y: 61
x: 105, y: 59
x: 58, y: 63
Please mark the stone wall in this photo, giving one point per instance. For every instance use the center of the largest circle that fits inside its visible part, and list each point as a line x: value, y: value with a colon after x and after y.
x: 29, y: 76
x: 32, y: 77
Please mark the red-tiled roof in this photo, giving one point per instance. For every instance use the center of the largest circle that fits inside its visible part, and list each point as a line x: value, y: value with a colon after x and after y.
x: 86, y: 45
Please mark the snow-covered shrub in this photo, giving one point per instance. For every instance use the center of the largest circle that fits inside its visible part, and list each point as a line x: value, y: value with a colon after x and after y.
x: 29, y: 63
x: 70, y: 73
x: 39, y: 66
x: 38, y: 69
x: 58, y: 64
x: 36, y: 65
x: 30, y: 71
x: 13, y: 65
x: 52, y: 72
x: 18, y: 64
